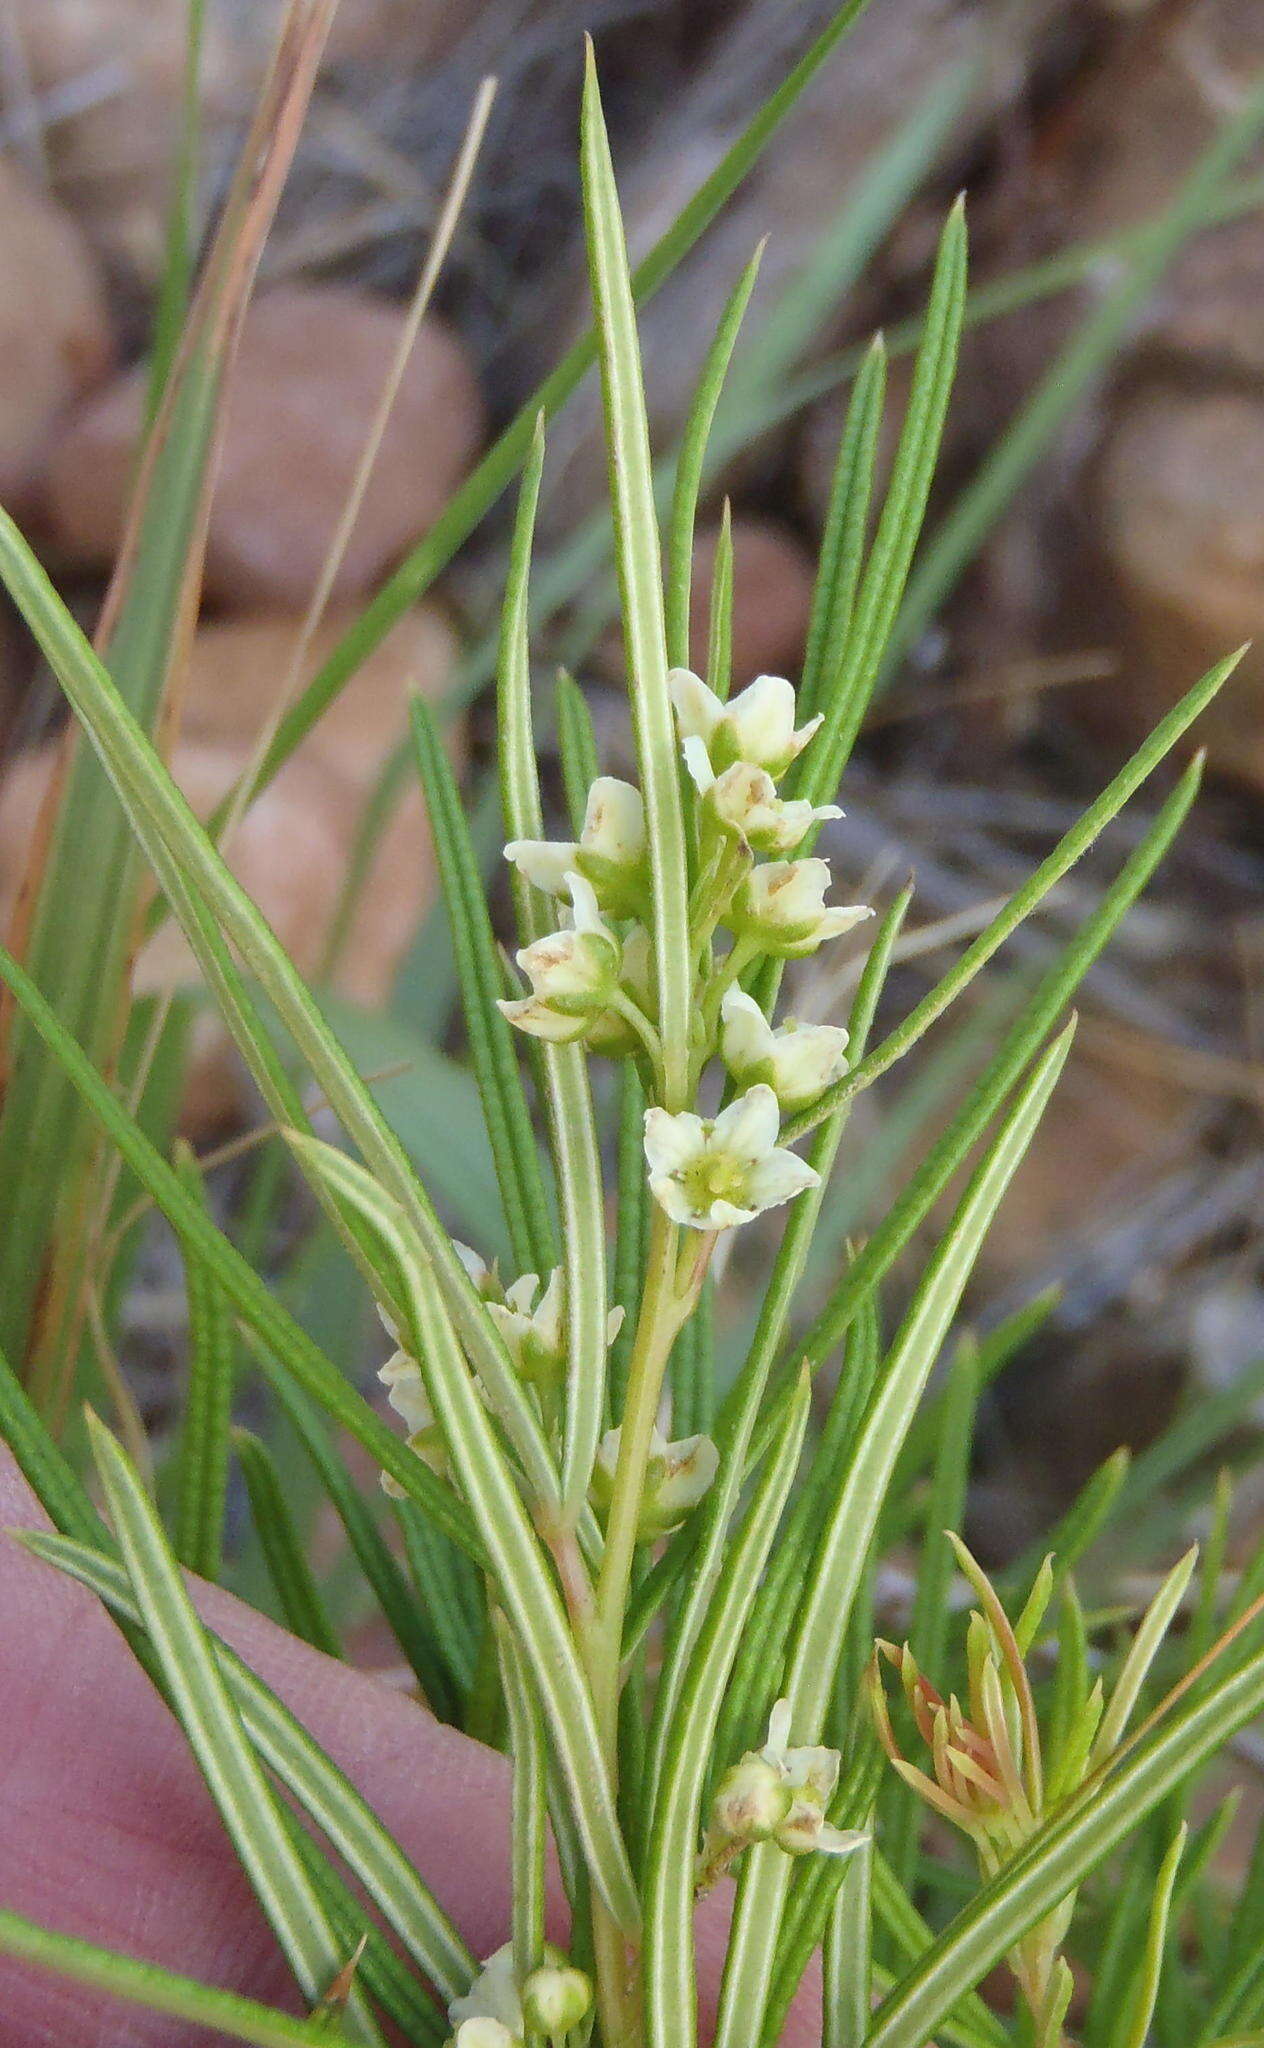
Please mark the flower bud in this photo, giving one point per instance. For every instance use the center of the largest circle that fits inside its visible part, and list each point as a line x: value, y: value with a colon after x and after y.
x: 797, y: 1061
x: 609, y: 853
x: 751, y: 1802
x: 676, y: 1477
x: 555, y: 1999
x: 756, y: 726
x: 781, y: 906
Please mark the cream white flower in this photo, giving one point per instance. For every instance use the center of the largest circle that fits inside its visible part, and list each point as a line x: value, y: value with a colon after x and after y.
x: 406, y: 1392
x: 782, y: 906
x: 676, y: 1477
x: 535, y: 1331
x: 809, y: 1775
x: 797, y: 1061
x: 743, y: 801
x: 775, y: 1794
x: 492, y: 1998
x: 609, y: 853
x: 573, y: 972
x: 755, y: 726
x: 713, y: 1173
x: 492, y: 2013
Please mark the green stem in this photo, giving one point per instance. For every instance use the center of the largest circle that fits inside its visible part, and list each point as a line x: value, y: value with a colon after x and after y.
x: 657, y: 1324
x: 632, y: 1015
x: 659, y: 1320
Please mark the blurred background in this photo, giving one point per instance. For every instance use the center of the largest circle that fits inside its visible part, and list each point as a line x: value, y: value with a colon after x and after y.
x: 1096, y: 540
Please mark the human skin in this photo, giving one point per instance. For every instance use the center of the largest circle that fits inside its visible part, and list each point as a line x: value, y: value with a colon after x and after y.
x: 107, y: 1831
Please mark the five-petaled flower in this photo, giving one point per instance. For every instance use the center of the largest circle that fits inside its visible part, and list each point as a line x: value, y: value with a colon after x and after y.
x: 609, y: 853
x: 756, y: 726
x: 797, y: 1061
x: 714, y: 1172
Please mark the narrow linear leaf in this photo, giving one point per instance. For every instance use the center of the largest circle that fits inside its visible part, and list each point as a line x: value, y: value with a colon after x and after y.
x: 158, y: 1990
x: 223, y: 1752
x: 640, y: 586
x: 202, y: 1458
x: 577, y: 746
x: 572, y: 1124
x: 528, y: 1589
x: 448, y: 1589
x: 843, y: 536
x: 719, y: 673
x: 528, y: 1812
x: 294, y: 1583
x: 689, y: 463
x: 669, y: 1965
x: 1134, y: 2031
x: 824, y: 1612
x: 479, y: 975
x: 846, y: 1958
x: 845, y: 693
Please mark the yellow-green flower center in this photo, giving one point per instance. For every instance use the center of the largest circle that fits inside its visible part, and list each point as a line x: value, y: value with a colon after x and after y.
x: 715, y: 1177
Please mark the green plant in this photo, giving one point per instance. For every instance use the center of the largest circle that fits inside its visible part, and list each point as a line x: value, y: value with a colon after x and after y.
x: 667, y: 1623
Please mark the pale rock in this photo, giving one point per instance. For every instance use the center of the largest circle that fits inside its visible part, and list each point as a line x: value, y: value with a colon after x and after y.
x: 772, y: 599
x: 304, y: 391
x: 108, y: 78
x: 238, y: 667
x: 55, y: 340
x: 1182, y: 527
x: 292, y: 849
